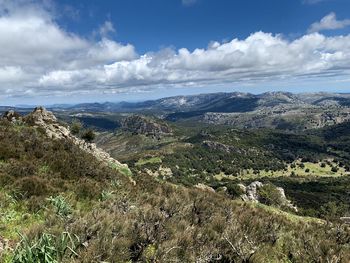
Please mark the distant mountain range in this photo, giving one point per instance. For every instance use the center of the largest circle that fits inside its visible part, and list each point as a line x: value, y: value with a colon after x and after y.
x: 282, y: 110
x: 215, y: 102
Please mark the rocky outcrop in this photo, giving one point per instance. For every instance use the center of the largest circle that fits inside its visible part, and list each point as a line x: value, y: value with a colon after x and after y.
x: 47, y: 121
x: 145, y: 125
x: 251, y: 193
x: 12, y: 116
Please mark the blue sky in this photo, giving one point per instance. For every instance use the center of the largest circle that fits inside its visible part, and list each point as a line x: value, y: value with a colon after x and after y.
x: 112, y: 50
x: 154, y: 24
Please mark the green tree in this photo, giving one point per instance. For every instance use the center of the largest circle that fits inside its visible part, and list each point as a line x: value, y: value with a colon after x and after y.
x: 88, y: 135
x: 76, y: 126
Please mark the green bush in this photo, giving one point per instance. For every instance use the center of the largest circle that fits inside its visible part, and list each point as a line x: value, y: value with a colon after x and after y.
x: 88, y: 135
x: 234, y: 190
x: 269, y: 195
x: 75, y: 127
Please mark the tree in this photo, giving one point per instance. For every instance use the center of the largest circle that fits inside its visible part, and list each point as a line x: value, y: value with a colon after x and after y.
x: 88, y: 135
x: 334, y: 169
x: 76, y: 127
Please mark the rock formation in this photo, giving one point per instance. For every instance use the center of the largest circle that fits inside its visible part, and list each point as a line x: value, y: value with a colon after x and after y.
x: 251, y: 193
x: 46, y: 120
x: 12, y: 116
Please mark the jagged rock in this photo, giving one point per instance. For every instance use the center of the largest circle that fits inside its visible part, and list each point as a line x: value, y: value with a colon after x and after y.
x: 204, y: 187
x: 145, y: 125
x: 287, y: 202
x: 41, y: 116
x: 12, y: 116
x: 252, y: 191
x: 48, y: 122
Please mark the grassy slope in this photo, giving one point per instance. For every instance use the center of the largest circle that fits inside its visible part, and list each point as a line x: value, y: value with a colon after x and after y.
x: 113, y: 220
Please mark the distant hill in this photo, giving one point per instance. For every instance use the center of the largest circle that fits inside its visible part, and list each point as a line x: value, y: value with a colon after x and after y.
x: 281, y: 110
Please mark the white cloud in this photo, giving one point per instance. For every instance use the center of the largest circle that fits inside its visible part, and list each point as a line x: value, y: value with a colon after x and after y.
x: 260, y: 56
x: 106, y: 28
x: 329, y: 22
x: 38, y: 57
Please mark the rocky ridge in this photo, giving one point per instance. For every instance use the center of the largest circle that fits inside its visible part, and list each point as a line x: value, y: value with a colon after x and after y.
x: 48, y: 122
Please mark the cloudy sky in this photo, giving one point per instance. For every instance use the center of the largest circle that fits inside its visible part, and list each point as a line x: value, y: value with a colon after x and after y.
x: 71, y: 51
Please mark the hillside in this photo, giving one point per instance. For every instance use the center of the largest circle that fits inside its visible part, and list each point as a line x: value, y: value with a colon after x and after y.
x: 59, y: 203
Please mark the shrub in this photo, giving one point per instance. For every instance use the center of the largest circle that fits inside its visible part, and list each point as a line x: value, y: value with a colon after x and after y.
x: 32, y: 186
x: 88, y: 135
x: 334, y: 169
x: 323, y: 165
x: 307, y: 170
x: 234, y: 190
x: 270, y: 195
x: 76, y: 127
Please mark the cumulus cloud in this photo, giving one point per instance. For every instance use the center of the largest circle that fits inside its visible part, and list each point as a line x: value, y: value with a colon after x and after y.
x: 38, y: 57
x: 329, y: 22
x: 259, y: 56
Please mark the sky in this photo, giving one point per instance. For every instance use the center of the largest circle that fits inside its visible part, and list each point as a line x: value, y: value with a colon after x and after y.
x: 70, y: 51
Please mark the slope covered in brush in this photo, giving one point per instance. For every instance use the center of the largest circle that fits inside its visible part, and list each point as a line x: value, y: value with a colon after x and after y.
x: 59, y: 203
